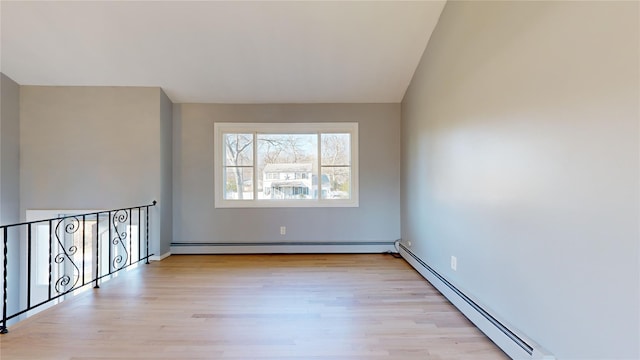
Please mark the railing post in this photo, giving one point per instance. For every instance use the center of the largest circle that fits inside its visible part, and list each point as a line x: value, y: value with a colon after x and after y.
x: 109, y: 260
x: 97, y: 274
x: 3, y: 328
x: 130, y: 240
x: 83, y: 253
x: 51, y: 230
x: 139, y: 233
x: 146, y: 233
x: 29, y: 251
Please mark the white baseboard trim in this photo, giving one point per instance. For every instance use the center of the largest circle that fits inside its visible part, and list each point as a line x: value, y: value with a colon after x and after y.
x: 161, y: 257
x: 283, y: 248
x: 513, y: 343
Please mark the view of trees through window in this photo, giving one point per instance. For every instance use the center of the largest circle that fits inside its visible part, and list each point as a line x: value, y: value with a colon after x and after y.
x: 287, y: 166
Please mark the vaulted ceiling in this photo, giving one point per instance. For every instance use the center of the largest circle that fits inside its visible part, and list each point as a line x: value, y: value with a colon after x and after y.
x: 219, y: 51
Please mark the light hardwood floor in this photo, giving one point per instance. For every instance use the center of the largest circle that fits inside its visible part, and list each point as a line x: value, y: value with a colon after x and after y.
x: 255, y: 307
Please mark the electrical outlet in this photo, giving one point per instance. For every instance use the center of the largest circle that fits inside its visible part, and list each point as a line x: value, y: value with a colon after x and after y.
x: 454, y: 263
x: 283, y: 230
x: 409, y: 243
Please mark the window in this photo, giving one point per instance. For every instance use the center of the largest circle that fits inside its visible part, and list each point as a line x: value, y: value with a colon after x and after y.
x: 286, y: 165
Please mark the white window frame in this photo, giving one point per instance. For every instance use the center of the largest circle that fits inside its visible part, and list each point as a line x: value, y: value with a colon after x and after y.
x: 283, y: 128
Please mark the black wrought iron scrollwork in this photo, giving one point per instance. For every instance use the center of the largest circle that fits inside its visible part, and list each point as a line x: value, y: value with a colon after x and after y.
x: 70, y: 226
x: 119, y: 261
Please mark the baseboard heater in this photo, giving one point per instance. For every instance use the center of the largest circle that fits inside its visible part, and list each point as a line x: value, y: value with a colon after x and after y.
x: 283, y: 247
x: 515, y: 345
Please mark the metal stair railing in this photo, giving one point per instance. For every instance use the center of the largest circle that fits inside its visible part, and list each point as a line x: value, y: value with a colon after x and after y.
x: 69, y: 252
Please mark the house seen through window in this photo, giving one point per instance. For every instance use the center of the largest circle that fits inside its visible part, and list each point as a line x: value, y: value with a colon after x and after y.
x: 302, y: 164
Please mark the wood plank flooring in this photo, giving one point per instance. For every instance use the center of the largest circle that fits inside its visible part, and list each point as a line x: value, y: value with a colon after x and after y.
x: 255, y: 307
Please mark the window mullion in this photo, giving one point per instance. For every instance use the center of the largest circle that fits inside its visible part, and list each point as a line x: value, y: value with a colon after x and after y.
x: 319, y: 167
x: 255, y: 167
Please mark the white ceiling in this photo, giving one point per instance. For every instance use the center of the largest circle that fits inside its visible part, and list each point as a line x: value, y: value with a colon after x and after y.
x: 221, y: 52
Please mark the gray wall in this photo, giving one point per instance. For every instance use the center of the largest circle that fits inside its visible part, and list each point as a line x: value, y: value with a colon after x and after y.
x: 196, y: 220
x: 166, y: 169
x: 94, y: 148
x: 10, y: 180
x: 520, y: 157
x: 9, y: 151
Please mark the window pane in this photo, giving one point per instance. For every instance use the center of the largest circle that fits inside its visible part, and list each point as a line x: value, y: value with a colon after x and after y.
x: 42, y: 254
x: 238, y: 149
x: 286, y: 165
x: 238, y: 183
x: 336, y: 182
x: 336, y: 149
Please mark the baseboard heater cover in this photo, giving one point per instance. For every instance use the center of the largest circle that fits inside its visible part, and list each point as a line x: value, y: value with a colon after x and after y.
x: 515, y: 345
x: 284, y: 247
x: 160, y: 257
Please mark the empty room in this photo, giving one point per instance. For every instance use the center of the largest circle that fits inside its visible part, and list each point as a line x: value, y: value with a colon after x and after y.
x: 320, y: 180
